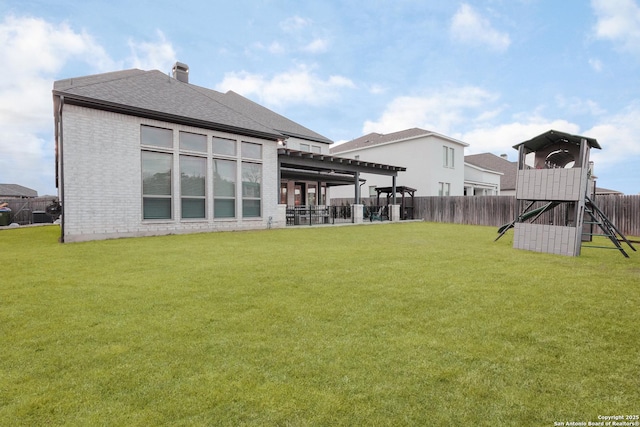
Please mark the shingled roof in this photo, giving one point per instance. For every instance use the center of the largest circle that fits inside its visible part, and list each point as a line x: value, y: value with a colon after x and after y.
x: 153, y: 94
x: 374, y: 138
x: 264, y: 115
x: 491, y: 161
x: 15, y: 190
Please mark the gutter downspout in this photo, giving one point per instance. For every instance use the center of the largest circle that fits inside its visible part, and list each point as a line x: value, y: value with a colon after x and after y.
x: 61, y: 166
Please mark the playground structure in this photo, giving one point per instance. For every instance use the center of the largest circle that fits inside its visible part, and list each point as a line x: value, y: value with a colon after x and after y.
x: 561, y: 176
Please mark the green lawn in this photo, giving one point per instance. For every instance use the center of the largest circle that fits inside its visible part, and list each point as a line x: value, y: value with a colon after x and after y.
x: 381, y: 325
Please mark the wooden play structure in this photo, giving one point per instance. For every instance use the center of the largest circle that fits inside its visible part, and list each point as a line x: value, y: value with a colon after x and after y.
x: 559, y: 179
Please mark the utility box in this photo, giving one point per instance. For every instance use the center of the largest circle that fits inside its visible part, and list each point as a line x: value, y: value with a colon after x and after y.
x: 5, y: 218
x: 41, y: 217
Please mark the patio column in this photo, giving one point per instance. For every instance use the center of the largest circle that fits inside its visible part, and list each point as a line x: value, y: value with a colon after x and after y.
x: 357, y: 195
x: 393, y: 190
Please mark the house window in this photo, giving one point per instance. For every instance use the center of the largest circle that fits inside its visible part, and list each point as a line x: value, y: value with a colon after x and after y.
x: 251, y: 189
x: 193, y: 142
x: 444, y: 189
x: 156, y: 185
x: 448, y: 157
x: 156, y: 137
x: 251, y: 151
x: 157, y: 168
x: 224, y: 188
x: 305, y: 147
x: 193, y: 177
x: 315, y: 149
x: 224, y: 147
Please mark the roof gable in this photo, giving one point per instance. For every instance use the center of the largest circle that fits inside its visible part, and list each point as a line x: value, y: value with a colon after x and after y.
x: 552, y: 137
x: 149, y: 93
x: 15, y: 190
x: 264, y: 115
x: 374, y: 138
x: 492, y: 162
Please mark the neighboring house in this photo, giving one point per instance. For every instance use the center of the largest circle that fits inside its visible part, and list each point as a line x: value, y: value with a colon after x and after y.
x: 606, y: 192
x: 480, y: 181
x: 499, y: 164
x: 143, y: 153
x: 509, y: 172
x: 16, y: 191
x: 434, y: 162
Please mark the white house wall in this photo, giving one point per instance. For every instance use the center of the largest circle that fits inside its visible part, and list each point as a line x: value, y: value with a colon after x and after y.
x: 294, y: 143
x: 102, y: 179
x: 423, y: 158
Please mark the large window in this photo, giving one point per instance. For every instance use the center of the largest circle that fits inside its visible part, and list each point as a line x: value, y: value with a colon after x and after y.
x: 193, y: 177
x: 251, y: 189
x: 228, y: 170
x: 193, y: 142
x: 157, y: 168
x: 444, y: 189
x: 251, y: 180
x: 448, y: 157
x: 251, y: 151
x: 157, y: 137
x: 156, y: 185
x: 224, y: 188
x: 224, y: 147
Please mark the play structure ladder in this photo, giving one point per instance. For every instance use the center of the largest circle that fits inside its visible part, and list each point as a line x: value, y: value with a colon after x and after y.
x: 609, y: 230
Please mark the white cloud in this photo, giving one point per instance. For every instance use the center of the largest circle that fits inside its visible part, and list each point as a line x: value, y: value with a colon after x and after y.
x: 158, y: 55
x: 377, y: 89
x: 294, y: 23
x: 574, y: 105
x: 34, y: 53
x: 618, y: 136
x: 438, y: 112
x: 297, y: 86
x: 316, y: 46
x: 501, y: 138
x: 276, y: 48
x: 469, y: 27
x: 596, y: 64
x: 618, y: 21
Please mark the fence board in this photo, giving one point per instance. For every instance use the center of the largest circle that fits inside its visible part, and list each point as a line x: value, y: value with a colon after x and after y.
x: 622, y: 211
x: 22, y: 209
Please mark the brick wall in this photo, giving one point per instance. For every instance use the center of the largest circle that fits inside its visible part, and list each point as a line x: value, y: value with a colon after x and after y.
x: 103, y: 184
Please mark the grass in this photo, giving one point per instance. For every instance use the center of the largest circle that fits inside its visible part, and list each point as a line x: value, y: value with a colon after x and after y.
x: 385, y: 325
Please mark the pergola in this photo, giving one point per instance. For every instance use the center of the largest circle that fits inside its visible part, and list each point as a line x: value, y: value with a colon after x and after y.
x: 390, y: 192
x: 331, y: 170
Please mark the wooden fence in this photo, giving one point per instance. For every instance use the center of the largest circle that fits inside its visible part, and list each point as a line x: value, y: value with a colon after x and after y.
x: 622, y: 211
x: 29, y: 210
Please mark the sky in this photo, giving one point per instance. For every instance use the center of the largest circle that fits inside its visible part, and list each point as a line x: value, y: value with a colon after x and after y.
x: 490, y: 73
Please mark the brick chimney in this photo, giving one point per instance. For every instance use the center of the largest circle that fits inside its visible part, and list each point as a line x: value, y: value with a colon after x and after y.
x: 180, y: 72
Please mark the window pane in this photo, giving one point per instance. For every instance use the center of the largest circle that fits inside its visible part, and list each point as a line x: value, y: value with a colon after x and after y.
x: 193, y: 142
x: 193, y: 171
x: 251, y: 151
x: 224, y: 146
x: 156, y: 173
x: 304, y: 147
x: 158, y: 137
x: 315, y: 149
x: 451, y: 157
x: 224, y: 208
x: 224, y: 178
x: 156, y: 208
x: 251, y: 208
x: 193, y: 208
x: 251, y: 179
